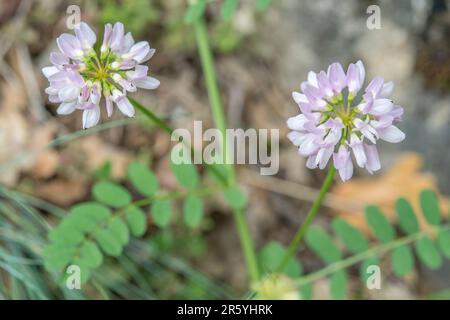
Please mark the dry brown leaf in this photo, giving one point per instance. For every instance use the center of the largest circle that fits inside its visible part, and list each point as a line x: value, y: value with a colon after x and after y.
x: 45, y: 161
x: 93, y: 152
x: 403, y: 179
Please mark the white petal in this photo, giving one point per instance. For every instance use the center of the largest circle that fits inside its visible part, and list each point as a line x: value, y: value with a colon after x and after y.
x: 387, y: 90
x: 49, y: 71
x: 147, y: 83
x: 362, y: 71
x: 309, y: 146
x: 69, y: 93
x: 85, y: 35
x: 299, y: 97
x: 91, y: 117
x: 125, y: 106
x: 381, y: 106
x: 311, y: 162
x: 391, y: 134
x: 297, y: 122
x: 66, y: 108
x: 360, y: 155
x: 323, y: 156
x: 373, y: 161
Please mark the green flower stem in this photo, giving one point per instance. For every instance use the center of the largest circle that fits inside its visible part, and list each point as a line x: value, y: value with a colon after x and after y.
x: 309, y: 218
x: 149, y: 114
x: 207, y: 62
x: 209, y: 73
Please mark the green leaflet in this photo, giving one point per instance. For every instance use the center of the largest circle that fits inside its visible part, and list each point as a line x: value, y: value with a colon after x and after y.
x: 271, y: 256
x: 195, y: 11
x: 120, y: 231
x: 228, y: 9
x: 142, y: 179
x: 338, y: 284
x: 235, y: 197
x: 109, y: 243
x: 430, y: 207
x: 364, y: 269
x: 353, y: 239
x: 427, y: 252
x: 262, y: 5
x: 161, y: 211
x: 90, y: 255
x: 137, y: 221
x: 193, y: 211
x: 443, y: 241
x: 402, y: 260
x: 186, y: 174
x: 322, y: 244
x: 406, y: 217
x: 111, y: 194
x: 379, y: 224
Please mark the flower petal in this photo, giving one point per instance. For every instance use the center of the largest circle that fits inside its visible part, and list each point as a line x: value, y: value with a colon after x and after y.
x: 91, y: 116
x: 391, y: 134
x: 149, y: 83
x: 66, y: 108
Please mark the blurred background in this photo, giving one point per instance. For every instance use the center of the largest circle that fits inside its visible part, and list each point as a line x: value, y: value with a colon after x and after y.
x: 47, y: 163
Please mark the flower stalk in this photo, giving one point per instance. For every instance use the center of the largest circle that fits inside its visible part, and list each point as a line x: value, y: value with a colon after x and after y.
x: 220, y: 122
x: 295, y: 243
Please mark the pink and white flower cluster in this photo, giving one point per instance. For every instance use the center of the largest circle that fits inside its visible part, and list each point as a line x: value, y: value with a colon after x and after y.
x: 79, y: 76
x: 336, y: 121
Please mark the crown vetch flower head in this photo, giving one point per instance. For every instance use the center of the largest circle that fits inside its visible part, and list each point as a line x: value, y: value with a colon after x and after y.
x: 79, y: 76
x: 335, y: 121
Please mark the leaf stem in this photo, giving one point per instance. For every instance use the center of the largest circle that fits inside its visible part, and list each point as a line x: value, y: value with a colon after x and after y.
x: 293, y: 246
x: 375, y: 251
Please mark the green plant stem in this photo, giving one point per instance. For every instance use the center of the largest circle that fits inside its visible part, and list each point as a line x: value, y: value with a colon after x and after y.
x: 293, y: 246
x: 149, y: 114
x: 212, y: 87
